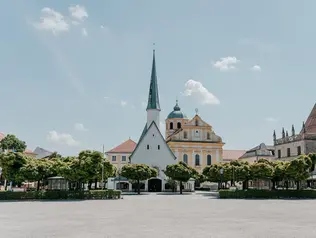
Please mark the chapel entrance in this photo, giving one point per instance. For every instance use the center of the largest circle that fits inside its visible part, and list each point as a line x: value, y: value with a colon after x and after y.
x: 154, y: 185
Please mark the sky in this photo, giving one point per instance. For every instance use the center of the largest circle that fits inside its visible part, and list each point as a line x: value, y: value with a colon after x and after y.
x: 75, y: 75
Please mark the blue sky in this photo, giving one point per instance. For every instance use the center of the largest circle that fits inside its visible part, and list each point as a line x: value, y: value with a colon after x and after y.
x: 79, y: 77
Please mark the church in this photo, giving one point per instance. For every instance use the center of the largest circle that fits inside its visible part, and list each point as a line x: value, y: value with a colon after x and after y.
x: 192, y: 141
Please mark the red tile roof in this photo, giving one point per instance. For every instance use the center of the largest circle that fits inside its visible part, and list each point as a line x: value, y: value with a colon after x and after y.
x: 232, y: 154
x: 310, y: 125
x: 2, y: 135
x: 126, y: 147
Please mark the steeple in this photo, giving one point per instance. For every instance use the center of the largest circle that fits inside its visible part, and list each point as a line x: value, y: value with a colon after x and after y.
x: 153, y: 97
x: 283, y: 133
x: 274, y: 136
x: 293, y: 130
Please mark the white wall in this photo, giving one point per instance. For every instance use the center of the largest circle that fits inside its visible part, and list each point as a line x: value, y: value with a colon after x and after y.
x: 153, y: 115
x: 153, y: 156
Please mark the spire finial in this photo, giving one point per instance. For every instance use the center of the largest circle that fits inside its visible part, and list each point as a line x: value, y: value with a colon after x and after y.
x: 154, y: 47
x: 196, y: 111
x: 293, y: 130
x: 274, y: 136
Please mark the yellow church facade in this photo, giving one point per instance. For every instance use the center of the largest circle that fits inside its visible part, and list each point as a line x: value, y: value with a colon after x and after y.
x: 193, y: 141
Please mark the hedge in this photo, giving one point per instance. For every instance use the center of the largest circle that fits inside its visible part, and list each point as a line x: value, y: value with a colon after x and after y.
x: 60, y: 195
x: 267, y: 194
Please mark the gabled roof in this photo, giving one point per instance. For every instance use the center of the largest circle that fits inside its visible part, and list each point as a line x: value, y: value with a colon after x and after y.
x: 153, y: 97
x: 41, y: 153
x: 143, y: 135
x: 310, y: 124
x: 232, y: 154
x: 126, y: 147
x: 2, y: 135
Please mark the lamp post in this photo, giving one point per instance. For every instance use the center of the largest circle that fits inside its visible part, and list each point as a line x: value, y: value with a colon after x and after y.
x: 221, y: 171
x: 102, y: 183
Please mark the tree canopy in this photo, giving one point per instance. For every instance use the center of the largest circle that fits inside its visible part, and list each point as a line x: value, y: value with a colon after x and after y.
x: 11, y: 142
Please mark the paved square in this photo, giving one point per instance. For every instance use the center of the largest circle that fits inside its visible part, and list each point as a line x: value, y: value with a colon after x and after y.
x: 151, y: 216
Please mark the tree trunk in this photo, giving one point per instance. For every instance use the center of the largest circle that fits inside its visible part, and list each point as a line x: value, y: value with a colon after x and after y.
x: 298, y: 185
x: 138, y: 187
x: 95, y: 183
x: 273, y: 185
x: 219, y: 186
x: 89, y: 185
x: 38, y: 185
x: 180, y: 187
x: 244, y: 187
x: 287, y: 185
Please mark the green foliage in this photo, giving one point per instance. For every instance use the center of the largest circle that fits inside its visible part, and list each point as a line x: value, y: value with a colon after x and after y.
x: 11, y: 142
x: 138, y: 172
x: 279, y: 170
x: 297, y: 169
x: 261, y: 170
x: 178, y: 172
x: 11, y: 164
x: 61, y: 195
x: 267, y: 194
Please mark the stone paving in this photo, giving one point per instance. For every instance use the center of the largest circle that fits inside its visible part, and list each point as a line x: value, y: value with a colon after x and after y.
x: 151, y: 216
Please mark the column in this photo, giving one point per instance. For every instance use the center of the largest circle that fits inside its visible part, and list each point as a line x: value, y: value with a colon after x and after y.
x: 217, y: 155
x: 130, y: 188
x: 146, y: 185
x: 193, y: 159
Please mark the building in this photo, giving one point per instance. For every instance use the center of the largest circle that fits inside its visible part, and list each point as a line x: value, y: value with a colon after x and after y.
x: 152, y: 148
x: 229, y: 155
x: 42, y: 153
x: 193, y: 141
x: 261, y: 151
x: 119, y: 156
x: 289, y: 146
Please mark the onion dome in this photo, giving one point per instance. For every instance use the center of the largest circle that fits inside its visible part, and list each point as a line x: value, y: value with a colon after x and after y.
x: 176, y: 113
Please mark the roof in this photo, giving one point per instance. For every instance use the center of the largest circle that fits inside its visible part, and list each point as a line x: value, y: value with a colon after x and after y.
x: 126, y: 147
x: 310, y: 124
x: 27, y: 151
x: 2, y: 135
x: 259, y: 150
x: 143, y: 135
x: 41, y: 153
x: 153, y: 97
x: 232, y: 154
x: 176, y: 113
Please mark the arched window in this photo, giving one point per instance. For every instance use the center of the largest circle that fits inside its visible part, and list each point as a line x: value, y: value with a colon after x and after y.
x: 196, y: 122
x: 179, y: 125
x: 209, y: 159
x: 208, y: 135
x: 185, y: 135
x: 185, y: 158
x: 171, y: 126
x: 197, y: 160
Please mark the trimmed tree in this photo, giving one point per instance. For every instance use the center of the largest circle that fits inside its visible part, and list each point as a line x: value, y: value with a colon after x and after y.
x: 279, y: 175
x: 138, y: 172
x: 11, y: 142
x: 180, y: 172
x: 262, y: 171
x: 298, y: 170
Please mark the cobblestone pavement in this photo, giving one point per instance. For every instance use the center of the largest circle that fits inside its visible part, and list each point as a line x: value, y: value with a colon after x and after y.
x: 151, y: 216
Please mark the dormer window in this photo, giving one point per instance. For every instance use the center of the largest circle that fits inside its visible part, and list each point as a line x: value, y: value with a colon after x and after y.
x: 208, y: 136
x: 196, y: 122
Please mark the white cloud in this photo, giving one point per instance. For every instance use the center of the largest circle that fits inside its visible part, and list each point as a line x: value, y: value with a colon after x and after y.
x: 123, y: 103
x: 196, y: 90
x: 256, y: 68
x: 226, y: 63
x: 271, y: 119
x: 80, y: 127
x: 84, y: 32
x: 78, y: 12
x: 52, y: 21
x: 61, y: 138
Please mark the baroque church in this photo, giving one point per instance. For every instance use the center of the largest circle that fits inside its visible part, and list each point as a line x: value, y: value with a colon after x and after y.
x: 192, y: 141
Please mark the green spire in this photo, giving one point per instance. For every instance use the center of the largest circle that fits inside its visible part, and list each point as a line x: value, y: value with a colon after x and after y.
x: 153, y: 98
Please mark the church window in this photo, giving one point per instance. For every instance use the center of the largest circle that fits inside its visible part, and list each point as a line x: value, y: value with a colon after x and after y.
x: 158, y: 147
x: 113, y: 158
x: 208, y: 135
x: 185, y: 135
x: 197, y: 160
x: 185, y: 158
x: 209, y: 159
x: 147, y: 147
x: 124, y: 158
x: 179, y: 125
x: 279, y: 154
x: 171, y: 126
x: 288, y: 152
x: 196, y: 122
x: 299, y: 151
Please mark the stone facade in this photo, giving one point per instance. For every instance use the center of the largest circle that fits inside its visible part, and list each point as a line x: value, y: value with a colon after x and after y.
x: 291, y: 146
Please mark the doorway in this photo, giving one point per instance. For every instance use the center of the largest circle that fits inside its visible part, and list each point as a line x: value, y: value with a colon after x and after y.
x: 154, y: 185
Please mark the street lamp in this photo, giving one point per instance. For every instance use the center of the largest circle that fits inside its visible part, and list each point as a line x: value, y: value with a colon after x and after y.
x: 221, y: 171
